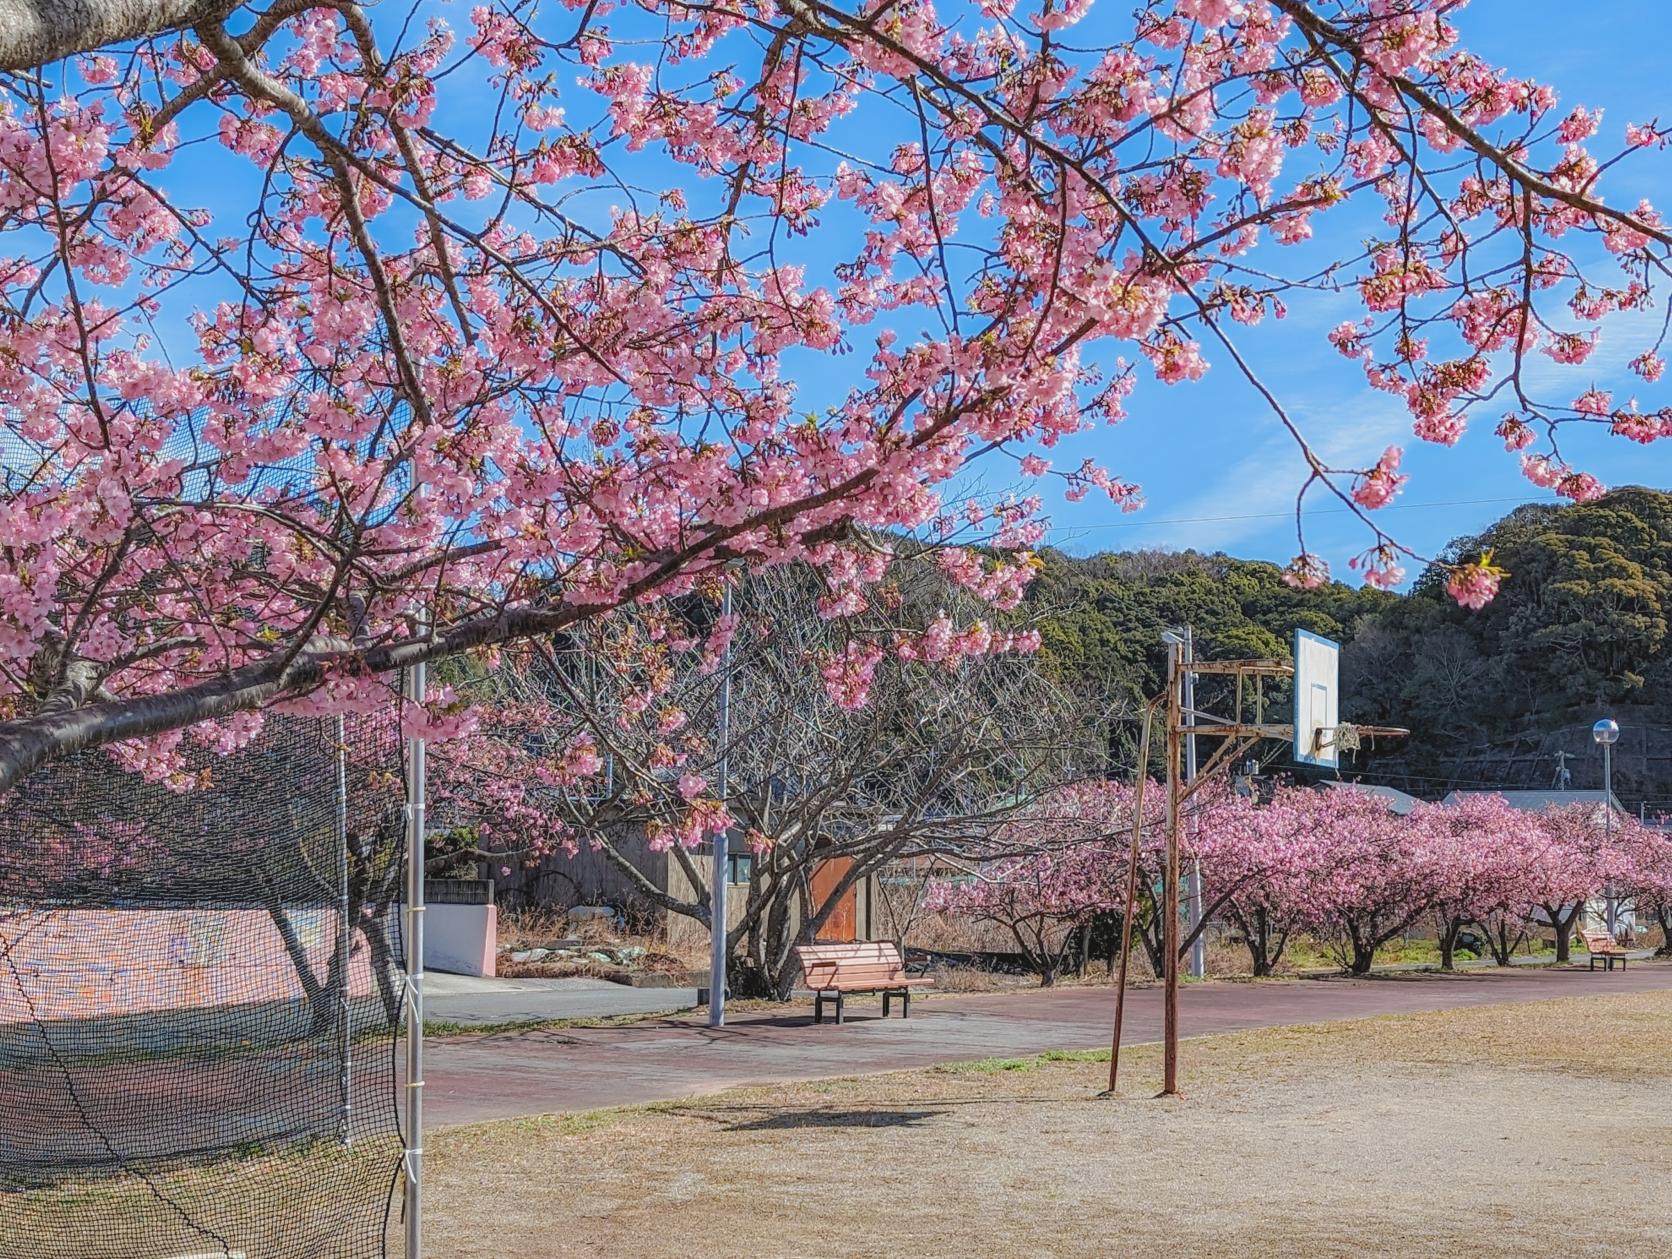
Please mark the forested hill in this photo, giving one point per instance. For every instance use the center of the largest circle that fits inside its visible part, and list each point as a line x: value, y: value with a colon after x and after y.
x: 1578, y: 629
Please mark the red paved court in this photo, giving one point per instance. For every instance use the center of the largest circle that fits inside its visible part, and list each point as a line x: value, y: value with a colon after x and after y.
x: 504, y: 1075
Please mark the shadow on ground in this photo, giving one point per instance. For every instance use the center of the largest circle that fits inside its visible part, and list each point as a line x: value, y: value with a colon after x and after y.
x: 866, y: 1117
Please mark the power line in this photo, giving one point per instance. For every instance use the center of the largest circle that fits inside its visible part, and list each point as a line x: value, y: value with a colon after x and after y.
x: 1283, y: 515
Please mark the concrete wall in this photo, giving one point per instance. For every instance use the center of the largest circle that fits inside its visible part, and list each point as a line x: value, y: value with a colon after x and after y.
x: 75, y: 964
x: 103, y: 963
x: 461, y: 939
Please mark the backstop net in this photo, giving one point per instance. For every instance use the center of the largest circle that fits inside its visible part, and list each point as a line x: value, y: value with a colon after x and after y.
x: 200, y: 997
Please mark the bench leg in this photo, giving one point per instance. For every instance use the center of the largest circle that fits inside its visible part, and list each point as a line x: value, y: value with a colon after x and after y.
x: 839, y: 1008
x: 905, y: 1004
x: 885, y: 1003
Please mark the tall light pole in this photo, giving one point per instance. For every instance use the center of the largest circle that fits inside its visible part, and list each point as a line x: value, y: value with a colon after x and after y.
x: 1607, y: 733
x: 717, y: 916
x: 1170, y: 876
x: 1186, y: 643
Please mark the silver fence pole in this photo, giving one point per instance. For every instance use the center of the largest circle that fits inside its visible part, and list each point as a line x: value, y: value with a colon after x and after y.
x: 718, y: 932
x: 345, y: 950
x: 415, y: 968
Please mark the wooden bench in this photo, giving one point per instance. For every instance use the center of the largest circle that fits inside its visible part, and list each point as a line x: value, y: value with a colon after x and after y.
x: 1601, y: 944
x: 834, y: 970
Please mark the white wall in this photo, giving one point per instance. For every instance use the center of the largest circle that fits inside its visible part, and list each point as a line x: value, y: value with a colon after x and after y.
x: 460, y: 939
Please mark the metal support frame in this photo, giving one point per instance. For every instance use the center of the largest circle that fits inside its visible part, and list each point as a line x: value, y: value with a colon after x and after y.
x: 905, y: 1001
x: 1131, y: 887
x: 415, y: 829
x: 1237, y: 735
x: 835, y: 996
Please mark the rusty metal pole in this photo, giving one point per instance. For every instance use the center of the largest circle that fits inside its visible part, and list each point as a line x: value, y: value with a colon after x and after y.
x: 1131, y: 890
x: 1170, y: 880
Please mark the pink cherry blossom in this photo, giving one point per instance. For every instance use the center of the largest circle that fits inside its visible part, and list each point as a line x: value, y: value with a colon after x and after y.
x: 1475, y: 584
x: 1377, y: 487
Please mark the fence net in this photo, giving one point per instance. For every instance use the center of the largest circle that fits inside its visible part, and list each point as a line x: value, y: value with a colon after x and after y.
x: 200, y: 994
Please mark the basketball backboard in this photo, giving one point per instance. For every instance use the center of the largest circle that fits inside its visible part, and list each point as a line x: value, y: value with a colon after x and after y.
x: 1317, y: 699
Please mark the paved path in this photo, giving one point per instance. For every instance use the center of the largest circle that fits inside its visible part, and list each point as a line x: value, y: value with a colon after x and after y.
x: 463, y: 999
x: 501, y: 1075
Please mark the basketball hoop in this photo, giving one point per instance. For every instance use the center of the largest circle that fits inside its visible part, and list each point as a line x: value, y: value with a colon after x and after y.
x: 1343, y: 738
x: 1349, y: 736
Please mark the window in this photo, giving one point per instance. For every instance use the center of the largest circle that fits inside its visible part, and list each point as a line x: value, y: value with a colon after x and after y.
x: 739, y: 866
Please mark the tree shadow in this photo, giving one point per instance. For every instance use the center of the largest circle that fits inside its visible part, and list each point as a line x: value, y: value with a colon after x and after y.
x: 782, y: 1120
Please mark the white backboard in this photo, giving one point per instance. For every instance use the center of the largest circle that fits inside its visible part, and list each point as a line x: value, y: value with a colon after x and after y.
x: 1317, y: 699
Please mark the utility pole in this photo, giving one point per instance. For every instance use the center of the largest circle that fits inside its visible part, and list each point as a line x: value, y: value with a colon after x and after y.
x: 1170, y: 877
x: 717, y: 926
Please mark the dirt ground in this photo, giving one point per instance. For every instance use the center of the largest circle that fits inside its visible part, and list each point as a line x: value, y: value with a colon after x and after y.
x: 1509, y: 1130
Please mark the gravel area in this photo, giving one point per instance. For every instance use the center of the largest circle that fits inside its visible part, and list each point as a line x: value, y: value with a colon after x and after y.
x: 1534, y: 1128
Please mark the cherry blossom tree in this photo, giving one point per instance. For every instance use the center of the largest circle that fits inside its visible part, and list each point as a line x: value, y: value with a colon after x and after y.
x: 1483, y: 852
x: 1068, y: 864
x: 1282, y: 849
x: 1380, y: 878
x: 338, y: 339
x: 1639, y: 870
x: 954, y: 741
x: 1072, y: 858
x: 1566, y: 864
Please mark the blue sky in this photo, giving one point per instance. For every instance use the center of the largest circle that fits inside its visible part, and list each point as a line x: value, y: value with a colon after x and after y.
x: 1217, y: 471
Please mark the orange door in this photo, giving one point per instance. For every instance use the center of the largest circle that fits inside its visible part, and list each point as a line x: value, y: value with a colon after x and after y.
x: 843, y: 923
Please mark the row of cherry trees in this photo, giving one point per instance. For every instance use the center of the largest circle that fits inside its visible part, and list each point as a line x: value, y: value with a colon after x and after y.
x: 1337, y: 865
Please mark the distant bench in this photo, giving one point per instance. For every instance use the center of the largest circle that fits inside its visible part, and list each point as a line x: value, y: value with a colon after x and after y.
x: 1601, y: 944
x: 834, y: 970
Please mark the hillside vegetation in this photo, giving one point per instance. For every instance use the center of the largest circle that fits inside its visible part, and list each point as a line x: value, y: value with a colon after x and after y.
x: 1579, y: 628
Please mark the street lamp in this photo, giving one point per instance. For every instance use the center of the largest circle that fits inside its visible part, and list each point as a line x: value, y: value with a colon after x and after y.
x: 1607, y: 733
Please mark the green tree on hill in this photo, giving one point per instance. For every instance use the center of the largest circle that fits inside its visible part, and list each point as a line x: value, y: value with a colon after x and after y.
x: 1581, y: 623
x: 1104, y: 615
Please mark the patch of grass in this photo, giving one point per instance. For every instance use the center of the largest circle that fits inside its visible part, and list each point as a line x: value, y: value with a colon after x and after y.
x: 1075, y: 1055
x: 996, y: 1066
x: 988, y: 1066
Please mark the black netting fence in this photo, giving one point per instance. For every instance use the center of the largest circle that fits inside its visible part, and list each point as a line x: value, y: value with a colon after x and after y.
x: 200, y: 996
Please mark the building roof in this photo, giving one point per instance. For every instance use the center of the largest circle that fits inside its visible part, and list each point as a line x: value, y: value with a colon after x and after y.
x: 1398, y: 801
x: 1533, y: 801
